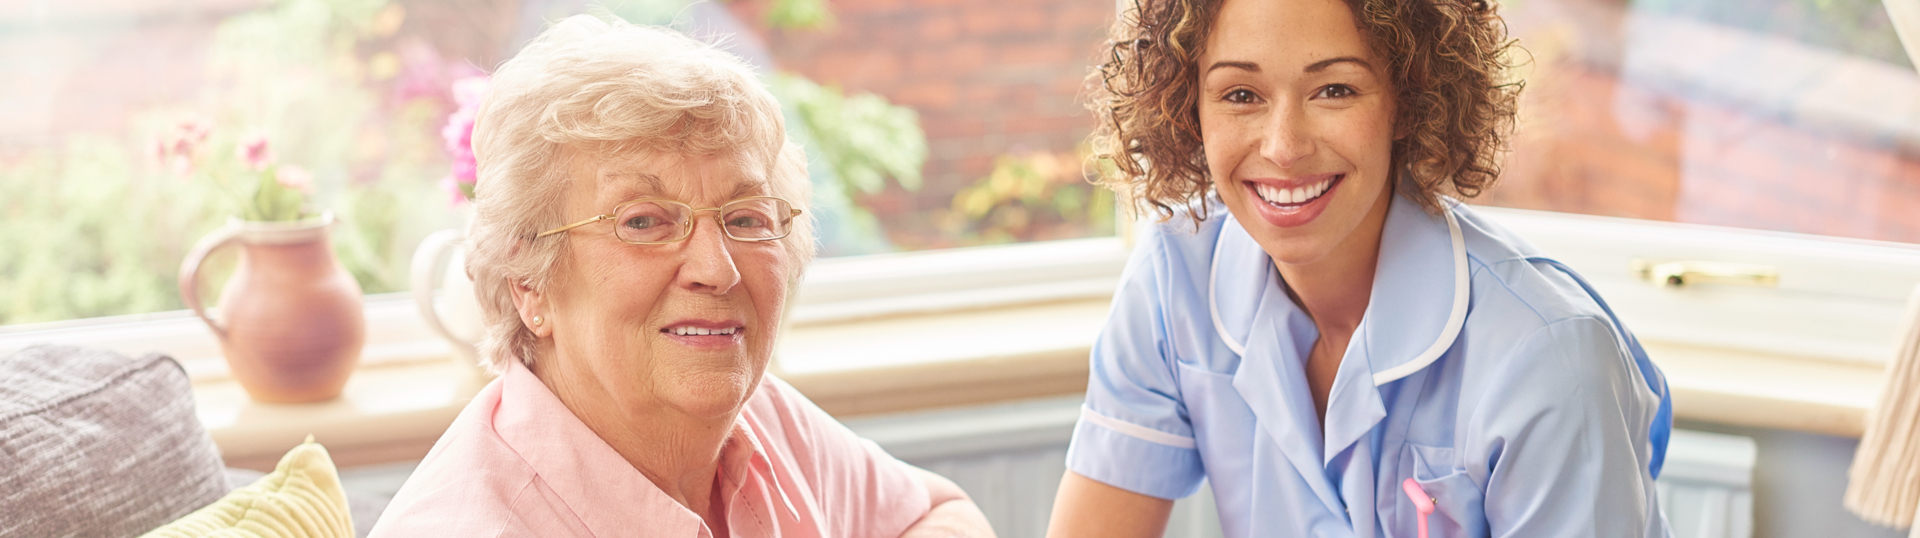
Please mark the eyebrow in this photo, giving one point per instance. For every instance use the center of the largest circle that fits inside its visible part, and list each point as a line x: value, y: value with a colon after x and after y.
x: 1322, y: 65
x: 652, y: 185
x: 1315, y: 67
x: 1244, y: 66
x: 650, y: 182
x: 745, y: 188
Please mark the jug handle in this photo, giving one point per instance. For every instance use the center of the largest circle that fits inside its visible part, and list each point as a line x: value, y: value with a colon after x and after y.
x: 190, y: 272
x: 427, y: 263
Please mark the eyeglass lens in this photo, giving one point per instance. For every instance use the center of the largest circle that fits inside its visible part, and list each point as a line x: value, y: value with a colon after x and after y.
x: 756, y: 219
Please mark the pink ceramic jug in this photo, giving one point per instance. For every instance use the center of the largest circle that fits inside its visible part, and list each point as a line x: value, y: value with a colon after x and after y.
x: 290, y: 320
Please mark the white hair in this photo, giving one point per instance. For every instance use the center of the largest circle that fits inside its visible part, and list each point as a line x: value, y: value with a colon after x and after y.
x: 594, y: 86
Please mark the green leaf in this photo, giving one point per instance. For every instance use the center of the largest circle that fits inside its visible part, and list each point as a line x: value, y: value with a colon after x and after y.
x: 864, y: 138
x: 799, y: 14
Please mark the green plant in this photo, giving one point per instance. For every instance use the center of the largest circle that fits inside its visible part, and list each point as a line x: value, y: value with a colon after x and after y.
x: 864, y: 139
x: 1031, y: 197
x: 806, y: 14
x: 92, y: 230
x: 855, y: 144
x: 244, y: 168
x: 98, y: 226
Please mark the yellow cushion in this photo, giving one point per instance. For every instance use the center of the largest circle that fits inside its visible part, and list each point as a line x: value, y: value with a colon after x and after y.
x: 300, y: 498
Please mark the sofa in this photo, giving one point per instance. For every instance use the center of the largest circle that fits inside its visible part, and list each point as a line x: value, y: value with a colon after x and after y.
x: 95, y: 443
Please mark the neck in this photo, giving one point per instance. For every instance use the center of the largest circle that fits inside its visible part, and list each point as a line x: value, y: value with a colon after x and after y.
x: 1334, y: 290
x: 678, y: 452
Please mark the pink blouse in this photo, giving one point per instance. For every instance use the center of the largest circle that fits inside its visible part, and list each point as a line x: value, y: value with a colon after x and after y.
x: 517, y: 463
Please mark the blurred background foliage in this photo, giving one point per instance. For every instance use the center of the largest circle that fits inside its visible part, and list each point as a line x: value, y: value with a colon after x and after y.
x: 1031, y: 197
x: 98, y: 226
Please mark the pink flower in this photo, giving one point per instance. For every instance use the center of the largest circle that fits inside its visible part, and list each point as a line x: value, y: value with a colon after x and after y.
x: 255, y: 152
x: 294, y: 177
x: 423, y: 74
x: 194, y: 129
x: 469, y: 93
x: 458, y: 135
x: 160, y: 150
x: 180, y: 147
x: 457, y: 196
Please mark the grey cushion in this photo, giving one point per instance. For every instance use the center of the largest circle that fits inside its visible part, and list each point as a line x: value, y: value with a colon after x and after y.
x: 93, y: 443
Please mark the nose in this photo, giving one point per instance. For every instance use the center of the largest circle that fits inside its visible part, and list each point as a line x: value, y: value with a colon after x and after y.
x: 707, y: 265
x: 1287, y: 137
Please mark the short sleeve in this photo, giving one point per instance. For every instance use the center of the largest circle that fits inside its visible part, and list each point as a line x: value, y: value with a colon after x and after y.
x: 861, y: 491
x: 1567, y: 443
x: 1134, y: 432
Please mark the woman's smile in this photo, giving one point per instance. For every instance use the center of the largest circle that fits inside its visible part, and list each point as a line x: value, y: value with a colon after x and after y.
x: 1292, y: 202
x: 705, y: 334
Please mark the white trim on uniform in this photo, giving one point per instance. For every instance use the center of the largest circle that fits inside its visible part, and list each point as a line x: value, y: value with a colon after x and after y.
x: 1136, y: 431
x: 1455, y: 320
x: 1213, y: 306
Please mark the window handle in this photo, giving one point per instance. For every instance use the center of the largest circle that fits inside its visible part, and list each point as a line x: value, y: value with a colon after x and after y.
x: 1681, y: 273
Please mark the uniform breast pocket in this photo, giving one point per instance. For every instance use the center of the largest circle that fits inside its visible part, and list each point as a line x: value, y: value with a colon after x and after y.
x: 1222, y: 422
x: 1457, y: 500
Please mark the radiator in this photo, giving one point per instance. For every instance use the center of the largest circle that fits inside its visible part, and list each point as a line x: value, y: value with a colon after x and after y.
x: 1010, y: 458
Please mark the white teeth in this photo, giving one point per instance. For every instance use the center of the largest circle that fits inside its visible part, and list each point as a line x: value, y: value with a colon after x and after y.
x: 1296, y: 195
x: 696, y: 331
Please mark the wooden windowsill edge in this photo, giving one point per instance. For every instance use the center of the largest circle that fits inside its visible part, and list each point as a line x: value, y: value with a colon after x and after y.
x: 1745, y: 388
x: 395, y: 411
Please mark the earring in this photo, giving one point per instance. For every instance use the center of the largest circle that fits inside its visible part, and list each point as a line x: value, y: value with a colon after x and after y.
x: 538, y: 320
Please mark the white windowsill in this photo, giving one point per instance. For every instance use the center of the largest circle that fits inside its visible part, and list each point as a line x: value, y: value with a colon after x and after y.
x: 395, y: 409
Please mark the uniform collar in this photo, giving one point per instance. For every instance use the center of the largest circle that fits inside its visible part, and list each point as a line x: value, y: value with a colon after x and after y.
x: 1419, y: 300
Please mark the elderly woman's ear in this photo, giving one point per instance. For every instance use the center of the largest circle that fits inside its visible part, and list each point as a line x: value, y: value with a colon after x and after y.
x: 532, y: 307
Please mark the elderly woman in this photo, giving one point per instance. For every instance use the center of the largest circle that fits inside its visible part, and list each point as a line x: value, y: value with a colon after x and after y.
x: 638, y: 224
x: 1330, y: 342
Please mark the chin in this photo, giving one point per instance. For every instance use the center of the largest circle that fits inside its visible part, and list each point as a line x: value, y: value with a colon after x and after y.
x: 710, y: 394
x: 1289, y: 246
x: 1296, y: 250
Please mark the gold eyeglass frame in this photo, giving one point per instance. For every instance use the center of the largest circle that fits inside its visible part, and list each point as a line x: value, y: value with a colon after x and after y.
x: 686, y: 227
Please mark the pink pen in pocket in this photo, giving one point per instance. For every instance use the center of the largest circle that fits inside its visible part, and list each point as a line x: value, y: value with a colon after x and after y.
x: 1422, y: 502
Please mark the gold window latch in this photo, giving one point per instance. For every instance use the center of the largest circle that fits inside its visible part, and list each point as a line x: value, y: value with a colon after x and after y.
x: 1681, y: 273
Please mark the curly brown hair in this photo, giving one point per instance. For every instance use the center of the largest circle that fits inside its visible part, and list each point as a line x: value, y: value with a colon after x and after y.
x: 1447, y: 60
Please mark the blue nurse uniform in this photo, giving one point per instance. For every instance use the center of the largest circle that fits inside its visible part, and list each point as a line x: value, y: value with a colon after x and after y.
x: 1494, y: 377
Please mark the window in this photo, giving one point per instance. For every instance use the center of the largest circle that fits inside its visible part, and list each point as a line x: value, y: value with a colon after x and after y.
x: 928, y: 126
x: 1788, y: 128
x: 121, y: 125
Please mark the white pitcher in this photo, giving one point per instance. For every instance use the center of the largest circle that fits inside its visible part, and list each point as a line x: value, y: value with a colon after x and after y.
x: 454, y: 314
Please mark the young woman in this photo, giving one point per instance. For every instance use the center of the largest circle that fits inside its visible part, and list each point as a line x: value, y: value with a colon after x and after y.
x: 1343, y: 326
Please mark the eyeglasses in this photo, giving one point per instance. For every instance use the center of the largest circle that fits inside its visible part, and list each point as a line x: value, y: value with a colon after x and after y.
x: 653, y: 221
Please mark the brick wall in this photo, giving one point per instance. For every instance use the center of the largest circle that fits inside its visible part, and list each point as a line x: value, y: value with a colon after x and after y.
x: 1590, y: 143
x: 988, y: 77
